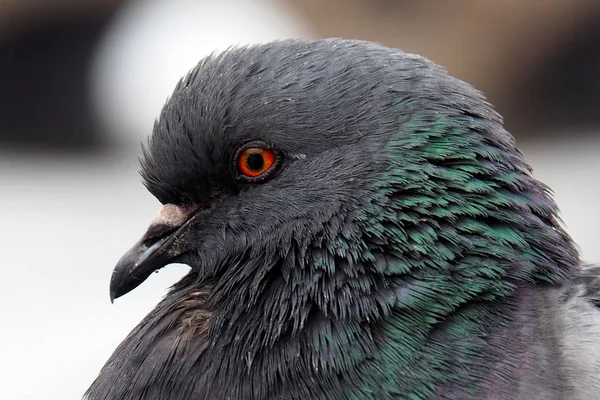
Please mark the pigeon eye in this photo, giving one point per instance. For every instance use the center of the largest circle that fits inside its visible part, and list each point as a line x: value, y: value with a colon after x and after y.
x: 256, y: 162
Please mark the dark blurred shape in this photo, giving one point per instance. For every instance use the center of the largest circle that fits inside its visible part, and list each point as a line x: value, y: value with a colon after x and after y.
x: 44, y: 64
x: 43, y: 85
x: 564, y: 91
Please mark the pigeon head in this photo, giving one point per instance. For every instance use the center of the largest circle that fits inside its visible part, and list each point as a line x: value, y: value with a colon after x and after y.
x: 254, y: 157
x: 342, y: 202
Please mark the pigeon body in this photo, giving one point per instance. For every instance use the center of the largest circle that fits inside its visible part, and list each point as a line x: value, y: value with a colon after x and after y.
x: 359, y: 225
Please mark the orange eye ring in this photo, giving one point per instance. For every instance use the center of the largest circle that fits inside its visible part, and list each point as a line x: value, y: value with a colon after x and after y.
x: 253, y: 162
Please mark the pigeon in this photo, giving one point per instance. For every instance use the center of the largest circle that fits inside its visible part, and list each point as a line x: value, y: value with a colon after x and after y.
x: 358, y: 225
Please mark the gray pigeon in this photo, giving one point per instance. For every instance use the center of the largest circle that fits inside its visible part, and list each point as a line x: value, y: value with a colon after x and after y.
x: 359, y: 225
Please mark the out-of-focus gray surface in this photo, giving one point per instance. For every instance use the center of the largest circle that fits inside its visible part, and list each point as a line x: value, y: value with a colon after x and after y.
x: 66, y: 223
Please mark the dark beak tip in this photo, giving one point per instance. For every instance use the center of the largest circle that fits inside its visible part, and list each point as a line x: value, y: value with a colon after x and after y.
x: 114, y: 289
x: 151, y: 252
x: 113, y: 295
x: 135, y: 267
x: 121, y: 279
x: 117, y: 289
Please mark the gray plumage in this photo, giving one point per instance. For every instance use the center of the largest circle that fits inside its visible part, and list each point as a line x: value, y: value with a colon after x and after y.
x: 359, y: 225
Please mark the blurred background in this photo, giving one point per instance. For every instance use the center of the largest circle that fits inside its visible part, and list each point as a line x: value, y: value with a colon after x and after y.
x: 82, y: 81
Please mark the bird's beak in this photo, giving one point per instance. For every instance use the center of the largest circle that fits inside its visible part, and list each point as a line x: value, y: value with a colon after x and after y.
x: 161, y: 243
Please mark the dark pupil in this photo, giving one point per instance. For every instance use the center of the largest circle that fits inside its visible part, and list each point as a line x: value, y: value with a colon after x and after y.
x: 255, y: 162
